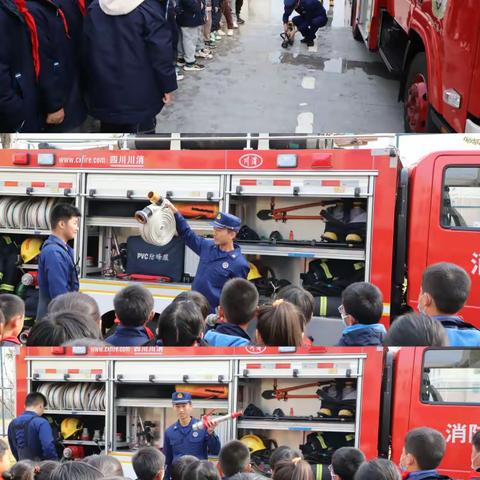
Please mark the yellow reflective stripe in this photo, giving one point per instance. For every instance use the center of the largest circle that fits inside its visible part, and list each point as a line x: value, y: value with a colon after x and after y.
x: 7, y: 287
x: 323, y: 306
x: 7, y: 240
x: 322, y: 441
x: 358, y: 265
x: 319, y: 472
x: 326, y: 270
x: 1, y: 275
x: 349, y: 437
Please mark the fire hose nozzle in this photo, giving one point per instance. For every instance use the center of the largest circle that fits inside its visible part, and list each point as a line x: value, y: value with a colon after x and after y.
x: 142, y: 216
x: 155, y: 198
x: 206, y: 420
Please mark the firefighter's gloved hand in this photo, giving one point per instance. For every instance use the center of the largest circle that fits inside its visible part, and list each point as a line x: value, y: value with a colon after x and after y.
x: 209, y: 425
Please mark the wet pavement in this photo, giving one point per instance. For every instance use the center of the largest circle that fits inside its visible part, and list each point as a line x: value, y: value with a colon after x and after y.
x: 254, y: 85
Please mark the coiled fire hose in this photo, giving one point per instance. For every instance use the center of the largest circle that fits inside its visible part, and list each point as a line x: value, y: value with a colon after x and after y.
x: 157, y: 221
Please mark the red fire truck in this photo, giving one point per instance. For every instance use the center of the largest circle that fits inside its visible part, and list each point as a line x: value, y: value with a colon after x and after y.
x: 115, y: 392
x: 411, y: 213
x: 434, y: 46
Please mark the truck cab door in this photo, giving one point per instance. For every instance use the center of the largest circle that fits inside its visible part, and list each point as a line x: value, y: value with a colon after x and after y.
x: 445, y: 395
x: 454, y: 233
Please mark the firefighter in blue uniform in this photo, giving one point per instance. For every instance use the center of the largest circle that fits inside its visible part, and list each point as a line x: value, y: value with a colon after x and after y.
x: 30, y: 435
x: 312, y: 17
x: 180, y: 439
x: 220, y: 259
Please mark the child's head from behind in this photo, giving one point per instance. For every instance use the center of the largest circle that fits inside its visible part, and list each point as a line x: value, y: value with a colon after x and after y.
x: 280, y: 324
x: 180, y: 324
x: 149, y: 464
x: 301, y: 298
x: 238, y: 301
x: 197, y: 298
x: 423, y: 450
x: 134, y: 306
x: 13, y: 310
x: 363, y: 303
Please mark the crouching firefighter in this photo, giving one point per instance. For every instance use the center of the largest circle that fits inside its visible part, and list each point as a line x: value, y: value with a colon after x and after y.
x: 182, y: 438
x: 30, y: 435
x: 312, y: 17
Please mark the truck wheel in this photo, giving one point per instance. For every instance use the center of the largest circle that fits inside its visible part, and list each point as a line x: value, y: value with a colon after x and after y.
x: 415, y: 99
x: 355, y: 30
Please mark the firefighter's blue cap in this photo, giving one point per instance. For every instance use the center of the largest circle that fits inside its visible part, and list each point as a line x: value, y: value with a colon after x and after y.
x: 227, y: 220
x: 181, y: 397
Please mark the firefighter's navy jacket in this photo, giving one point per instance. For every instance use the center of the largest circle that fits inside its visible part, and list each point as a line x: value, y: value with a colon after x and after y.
x: 362, y: 335
x: 30, y: 437
x: 308, y: 9
x: 19, y: 108
x: 460, y: 333
x: 215, y: 267
x: 57, y: 273
x: 181, y: 441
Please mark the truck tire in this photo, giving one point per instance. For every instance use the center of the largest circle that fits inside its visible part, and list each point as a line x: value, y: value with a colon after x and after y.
x: 416, y: 104
x: 356, y: 34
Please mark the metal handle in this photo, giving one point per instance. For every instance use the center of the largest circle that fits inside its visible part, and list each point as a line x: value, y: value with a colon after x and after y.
x: 185, y: 379
x: 119, y: 377
x: 29, y: 190
x: 92, y: 192
x: 67, y: 191
x: 239, y: 190
x: 221, y: 378
x: 66, y: 376
x: 98, y: 377
x: 129, y: 193
x: 151, y: 378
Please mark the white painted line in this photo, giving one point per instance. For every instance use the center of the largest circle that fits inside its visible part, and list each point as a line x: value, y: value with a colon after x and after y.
x: 303, y: 104
x: 314, y: 48
x: 308, y: 83
x: 304, y: 123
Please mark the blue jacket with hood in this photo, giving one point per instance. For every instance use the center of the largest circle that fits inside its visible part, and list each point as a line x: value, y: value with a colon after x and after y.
x: 217, y: 339
x: 460, y: 333
x: 362, y: 335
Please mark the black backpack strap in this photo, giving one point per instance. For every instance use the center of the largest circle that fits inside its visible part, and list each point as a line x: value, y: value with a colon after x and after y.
x: 24, y: 426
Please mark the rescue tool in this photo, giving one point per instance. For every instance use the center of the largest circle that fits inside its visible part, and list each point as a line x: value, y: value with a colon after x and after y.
x: 207, y: 420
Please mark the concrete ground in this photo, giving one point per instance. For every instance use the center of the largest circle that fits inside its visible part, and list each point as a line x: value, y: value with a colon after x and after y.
x: 254, y: 85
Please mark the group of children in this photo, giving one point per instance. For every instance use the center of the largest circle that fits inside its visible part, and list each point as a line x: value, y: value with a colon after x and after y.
x: 64, y: 62
x: 423, y: 451
x: 240, y: 320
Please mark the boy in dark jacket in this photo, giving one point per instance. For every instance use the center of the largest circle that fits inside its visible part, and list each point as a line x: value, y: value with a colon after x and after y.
x: 444, y: 291
x: 190, y: 19
x: 62, y: 102
x: 13, y: 309
x: 238, y: 305
x: 57, y: 271
x: 128, y: 60
x: 361, y: 310
x: 134, y: 308
x: 19, y: 65
x: 423, y: 451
